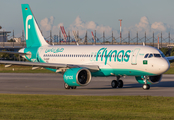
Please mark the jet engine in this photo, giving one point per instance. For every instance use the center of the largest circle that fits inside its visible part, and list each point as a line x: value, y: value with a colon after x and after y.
x: 149, y: 79
x: 77, y: 76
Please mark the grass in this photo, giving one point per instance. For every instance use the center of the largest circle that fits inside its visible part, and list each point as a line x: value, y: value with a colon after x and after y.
x: 55, y: 107
x: 170, y: 71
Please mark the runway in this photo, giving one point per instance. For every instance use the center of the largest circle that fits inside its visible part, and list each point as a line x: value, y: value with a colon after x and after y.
x: 29, y: 83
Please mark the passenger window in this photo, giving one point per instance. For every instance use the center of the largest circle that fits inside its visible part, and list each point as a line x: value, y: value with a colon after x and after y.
x: 146, y: 56
x: 151, y: 55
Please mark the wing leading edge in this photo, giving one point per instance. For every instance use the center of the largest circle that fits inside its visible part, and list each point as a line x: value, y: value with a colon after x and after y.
x: 50, y: 65
x: 170, y: 58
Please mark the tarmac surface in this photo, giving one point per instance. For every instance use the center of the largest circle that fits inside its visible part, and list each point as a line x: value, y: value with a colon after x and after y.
x: 29, y: 83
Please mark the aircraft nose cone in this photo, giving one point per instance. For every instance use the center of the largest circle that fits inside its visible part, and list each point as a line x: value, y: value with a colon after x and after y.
x: 165, y: 65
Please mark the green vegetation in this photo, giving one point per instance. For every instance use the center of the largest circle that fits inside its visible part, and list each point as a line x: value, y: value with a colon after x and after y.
x: 56, y: 107
x: 4, y: 55
x: 164, y: 50
x: 171, y: 70
x: 172, y: 52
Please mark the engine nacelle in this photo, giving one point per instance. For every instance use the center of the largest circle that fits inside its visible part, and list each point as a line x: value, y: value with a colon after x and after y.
x: 77, y: 76
x: 150, y: 79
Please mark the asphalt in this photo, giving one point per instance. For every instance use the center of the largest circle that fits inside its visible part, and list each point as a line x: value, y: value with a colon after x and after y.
x: 29, y: 83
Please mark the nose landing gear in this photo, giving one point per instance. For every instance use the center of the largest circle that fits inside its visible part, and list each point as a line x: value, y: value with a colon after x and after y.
x: 146, y: 87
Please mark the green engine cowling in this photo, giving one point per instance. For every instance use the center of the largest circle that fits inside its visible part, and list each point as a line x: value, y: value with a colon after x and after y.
x: 77, y: 76
x: 149, y: 79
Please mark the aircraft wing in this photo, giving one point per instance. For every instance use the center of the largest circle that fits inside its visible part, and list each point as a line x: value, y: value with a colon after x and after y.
x: 49, y: 65
x: 9, y: 52
x: 170, y: 58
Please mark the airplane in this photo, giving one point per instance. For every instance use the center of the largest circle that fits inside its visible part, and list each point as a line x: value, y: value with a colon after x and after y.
x: 79, y: 63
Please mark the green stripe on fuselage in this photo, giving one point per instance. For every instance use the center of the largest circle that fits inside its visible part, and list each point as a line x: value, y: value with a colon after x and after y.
x: 116, y: 72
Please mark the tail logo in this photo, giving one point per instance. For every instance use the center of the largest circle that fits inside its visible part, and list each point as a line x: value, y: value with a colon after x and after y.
x: 29, y: 17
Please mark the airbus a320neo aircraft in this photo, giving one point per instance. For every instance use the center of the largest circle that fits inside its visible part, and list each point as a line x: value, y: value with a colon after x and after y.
x: 78, y: 63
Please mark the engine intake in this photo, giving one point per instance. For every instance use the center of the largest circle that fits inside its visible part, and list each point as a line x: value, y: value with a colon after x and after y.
x: 150, y: 79
x: 77, y: 76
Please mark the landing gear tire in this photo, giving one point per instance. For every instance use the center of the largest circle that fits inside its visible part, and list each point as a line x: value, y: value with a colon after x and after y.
x: 120, y: 84
x: 73, y: 87
x: 66, y: 86
x: 146, y: 87
x: 114, y: 84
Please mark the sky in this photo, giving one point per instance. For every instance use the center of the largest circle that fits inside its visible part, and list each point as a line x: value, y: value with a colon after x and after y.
x: 88, y: 15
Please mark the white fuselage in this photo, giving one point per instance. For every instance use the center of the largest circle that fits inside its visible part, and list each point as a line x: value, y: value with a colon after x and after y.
x: 115, y: 57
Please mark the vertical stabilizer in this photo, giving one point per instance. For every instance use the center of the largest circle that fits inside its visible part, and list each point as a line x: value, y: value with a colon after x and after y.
x: 33, y: 35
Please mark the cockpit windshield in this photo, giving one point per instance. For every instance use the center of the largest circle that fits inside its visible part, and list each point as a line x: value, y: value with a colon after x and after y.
x: 146, y: 55
x: 150, y: 55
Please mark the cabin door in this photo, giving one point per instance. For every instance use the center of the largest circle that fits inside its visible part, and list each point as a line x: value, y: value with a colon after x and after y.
x: 134, y: 56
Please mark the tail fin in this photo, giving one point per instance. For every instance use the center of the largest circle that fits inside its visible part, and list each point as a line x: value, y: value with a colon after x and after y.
x: 33, y: 35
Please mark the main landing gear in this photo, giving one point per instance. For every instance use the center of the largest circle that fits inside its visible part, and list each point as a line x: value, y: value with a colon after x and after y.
x: 117, y: 83
x: 66, y: 86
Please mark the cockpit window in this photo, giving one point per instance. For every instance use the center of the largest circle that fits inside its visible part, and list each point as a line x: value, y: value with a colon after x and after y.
x: 157, y: 55
x: 146, y: 56
x: 162, y: 55
x: 151, y: 55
